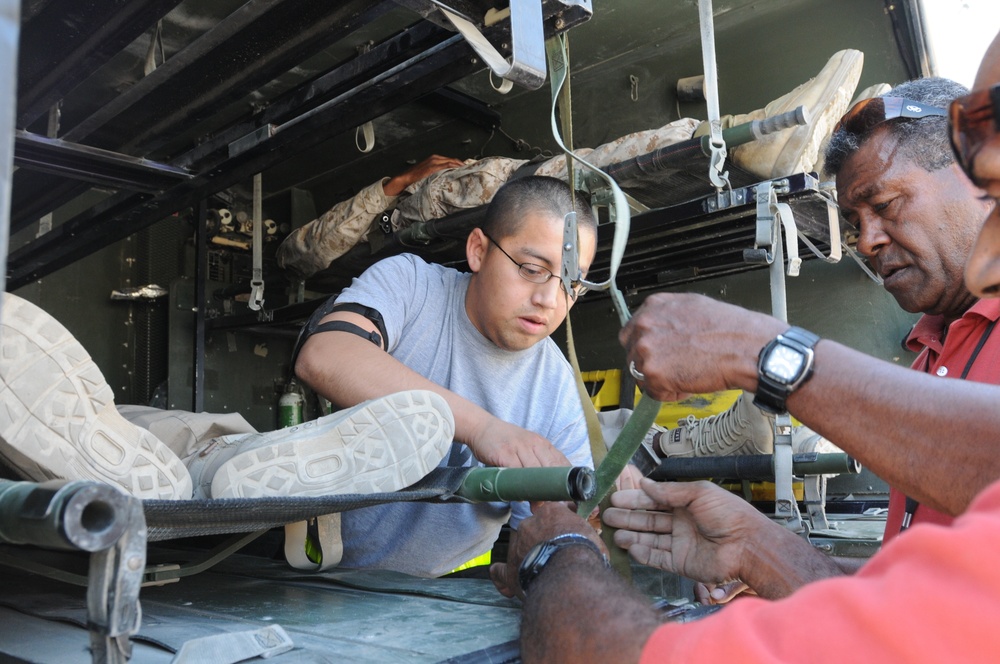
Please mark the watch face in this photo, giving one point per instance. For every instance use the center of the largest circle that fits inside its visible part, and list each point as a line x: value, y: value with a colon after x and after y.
x: 784, y: 364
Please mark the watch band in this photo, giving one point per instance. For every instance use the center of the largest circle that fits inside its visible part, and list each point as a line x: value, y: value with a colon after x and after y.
x: 540, y: 555
x: 771, y: 395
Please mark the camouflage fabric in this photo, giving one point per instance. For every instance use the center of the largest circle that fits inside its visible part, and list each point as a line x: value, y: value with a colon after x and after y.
x: 312, y: 248
x: 454, y: 189
x: 624, y: 148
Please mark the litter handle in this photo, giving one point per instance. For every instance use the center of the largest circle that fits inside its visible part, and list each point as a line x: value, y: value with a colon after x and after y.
x: 752, y: 466
x: 61, y: 514
x: 507, y: 484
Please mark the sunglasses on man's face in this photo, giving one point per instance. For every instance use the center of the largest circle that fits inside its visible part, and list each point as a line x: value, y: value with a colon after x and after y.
x: 973, y: 121
x: 869, y: 113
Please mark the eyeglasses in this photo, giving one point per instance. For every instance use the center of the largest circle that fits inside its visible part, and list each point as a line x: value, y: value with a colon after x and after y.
x: 537, y: 274
x: 973, y: 121
x: 869, y: 113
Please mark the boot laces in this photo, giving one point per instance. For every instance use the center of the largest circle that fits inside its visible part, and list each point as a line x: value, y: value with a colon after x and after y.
x: 717, y: 434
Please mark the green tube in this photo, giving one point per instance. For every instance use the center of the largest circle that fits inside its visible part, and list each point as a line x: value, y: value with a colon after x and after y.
x: 61, y: 514
x: 506, y: 484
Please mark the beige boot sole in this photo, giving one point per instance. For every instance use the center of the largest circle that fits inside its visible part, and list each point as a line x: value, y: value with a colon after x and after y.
x: 58, y: 417
x: 826, y: 98
x: 384, y: 446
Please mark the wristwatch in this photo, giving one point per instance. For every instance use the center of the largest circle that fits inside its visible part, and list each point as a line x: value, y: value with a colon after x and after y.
x: 784, y: 364
x: 541, y: 553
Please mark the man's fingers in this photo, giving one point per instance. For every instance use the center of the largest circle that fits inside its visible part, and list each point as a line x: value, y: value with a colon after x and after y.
x: 651, y: 556
x: 627, y: 539
x: 633, y: 499
x: 658, y: 522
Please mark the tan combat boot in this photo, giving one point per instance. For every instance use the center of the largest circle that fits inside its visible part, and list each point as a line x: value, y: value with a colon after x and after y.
x: 743, y: 429
x: 876, y: 90
x: 826, y: 98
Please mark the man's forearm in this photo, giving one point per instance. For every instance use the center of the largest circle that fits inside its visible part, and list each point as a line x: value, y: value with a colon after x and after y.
x: 573, y: 607
x: 893, y: 420
x: 897, y: 422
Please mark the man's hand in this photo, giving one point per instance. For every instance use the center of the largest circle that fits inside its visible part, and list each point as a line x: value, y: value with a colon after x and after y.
x: 499, y: 443
x: 433, y: 164
x: 686, y: 343
x: 695, y: 529
x: 548, y: 519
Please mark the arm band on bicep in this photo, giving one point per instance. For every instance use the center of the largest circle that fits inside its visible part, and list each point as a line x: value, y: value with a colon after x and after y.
x: 345, y: 326
x: 380, y: 338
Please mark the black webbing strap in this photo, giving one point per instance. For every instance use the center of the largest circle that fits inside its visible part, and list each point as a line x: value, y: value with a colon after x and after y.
x: 173, y: 519
x: 313, y: 325
x: 912, y: 504
x: 345, y: 326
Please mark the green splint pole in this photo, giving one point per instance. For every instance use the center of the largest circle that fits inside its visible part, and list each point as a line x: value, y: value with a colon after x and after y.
x: 507, y: 484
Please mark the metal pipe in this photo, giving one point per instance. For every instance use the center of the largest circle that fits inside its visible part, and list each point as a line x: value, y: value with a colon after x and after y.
x: 506, y: 484
x: 753, y: 466
x: 61, y: 514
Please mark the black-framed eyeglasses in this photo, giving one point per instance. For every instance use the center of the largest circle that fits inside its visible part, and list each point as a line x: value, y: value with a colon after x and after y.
x: 537, y: 274
x: 869, y: 113
x: 973, y: 120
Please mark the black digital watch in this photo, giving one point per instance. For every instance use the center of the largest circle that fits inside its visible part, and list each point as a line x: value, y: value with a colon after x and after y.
x: 541, y: 553
x: 783, y: 365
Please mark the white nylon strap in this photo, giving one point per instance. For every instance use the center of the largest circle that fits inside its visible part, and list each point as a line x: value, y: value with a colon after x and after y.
x: 331, y: 543
x: 368, y: 131
x: 232, y: 647
x: 717, y: 160
x: 257, y: 278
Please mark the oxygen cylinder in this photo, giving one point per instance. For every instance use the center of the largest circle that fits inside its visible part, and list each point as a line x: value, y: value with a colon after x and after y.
x: 290, y: 405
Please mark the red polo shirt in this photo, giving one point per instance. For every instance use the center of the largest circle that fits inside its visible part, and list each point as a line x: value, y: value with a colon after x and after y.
x: 929, y: 596
x: 949, y: 360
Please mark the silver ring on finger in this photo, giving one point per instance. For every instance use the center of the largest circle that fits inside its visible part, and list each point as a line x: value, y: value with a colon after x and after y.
x: 638, y: 375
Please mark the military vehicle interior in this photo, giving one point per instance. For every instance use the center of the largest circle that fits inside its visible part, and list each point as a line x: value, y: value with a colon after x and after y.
x: 163, y: 150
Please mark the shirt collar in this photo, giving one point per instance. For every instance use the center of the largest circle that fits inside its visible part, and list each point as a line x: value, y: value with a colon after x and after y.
x: 929, y: 330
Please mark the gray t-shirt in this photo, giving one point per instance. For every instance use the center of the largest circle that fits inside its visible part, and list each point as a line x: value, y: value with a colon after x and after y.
x: 429, y: 331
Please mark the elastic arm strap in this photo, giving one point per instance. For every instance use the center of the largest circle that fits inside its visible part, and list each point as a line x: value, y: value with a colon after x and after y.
x: 371, y: 314
x: 345, y: 326
x: 313, y: 325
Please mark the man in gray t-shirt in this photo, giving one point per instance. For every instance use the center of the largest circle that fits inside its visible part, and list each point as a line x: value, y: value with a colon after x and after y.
x: 481, y: 341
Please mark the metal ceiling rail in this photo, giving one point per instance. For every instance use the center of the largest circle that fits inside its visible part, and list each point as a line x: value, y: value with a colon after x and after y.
x: 392, y: 51
x: 68, y: 40
x: 248, y: 49
x: 100, y: 167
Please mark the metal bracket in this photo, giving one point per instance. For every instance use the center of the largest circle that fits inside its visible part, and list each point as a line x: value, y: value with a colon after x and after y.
x: 786, y: 509
x: 570, y: 271
x: 764, y: 238
x: 603, y: 196
x: 113, y: 590
x: 527, y: 62
x: 814, y: 487
x: 726, y: 199
x: 257, y: 278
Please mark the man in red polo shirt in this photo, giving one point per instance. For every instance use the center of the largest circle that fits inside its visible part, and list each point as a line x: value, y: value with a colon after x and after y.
x: 918, y: 217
